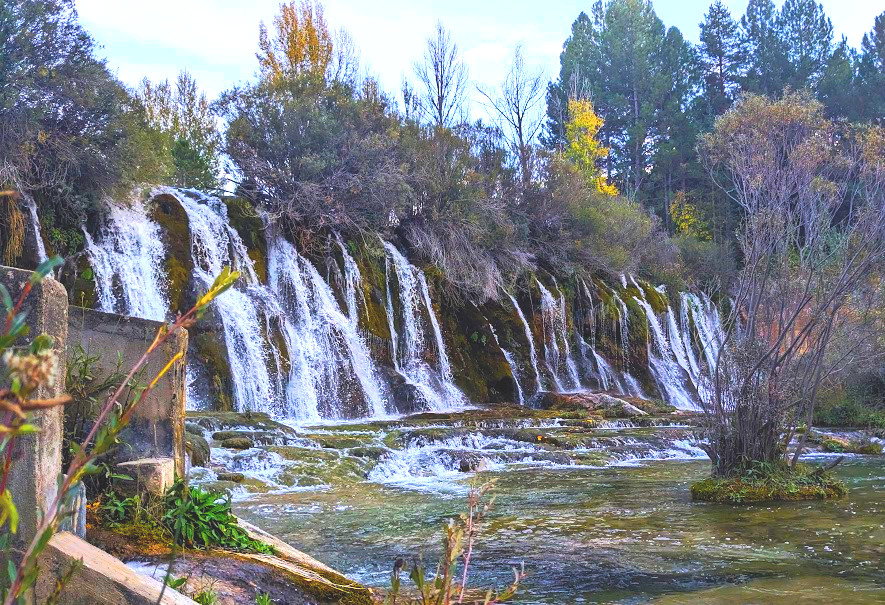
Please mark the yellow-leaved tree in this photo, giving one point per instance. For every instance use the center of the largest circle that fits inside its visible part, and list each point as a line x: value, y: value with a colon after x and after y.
x: 301, y: 44
x: 583, y: 149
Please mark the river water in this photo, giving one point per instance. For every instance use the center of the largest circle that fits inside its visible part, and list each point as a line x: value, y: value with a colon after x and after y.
x: 623, y: 532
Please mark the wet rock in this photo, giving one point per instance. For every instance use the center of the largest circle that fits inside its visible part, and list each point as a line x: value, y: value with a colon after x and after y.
x: 611, y: 407
x: 406, y: 398
x: 237, y: 443
x: 232, y: 477
x: 198, y: 449
x: 194, y: 429
x: 236, y: 421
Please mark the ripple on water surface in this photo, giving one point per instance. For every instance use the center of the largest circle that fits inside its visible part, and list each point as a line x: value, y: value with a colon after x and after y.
x: 610, y: 535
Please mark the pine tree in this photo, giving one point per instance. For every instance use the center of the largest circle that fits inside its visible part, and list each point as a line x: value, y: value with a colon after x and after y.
x: 807, y: 39
x: 838, y: 86
x: 721, y: 57
x: 871, y: 73
x: 766, y: 61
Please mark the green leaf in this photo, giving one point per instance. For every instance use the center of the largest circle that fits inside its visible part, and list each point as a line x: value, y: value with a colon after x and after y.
x: 45, y: 268
x: 7, y: 299
x: 8, y: 511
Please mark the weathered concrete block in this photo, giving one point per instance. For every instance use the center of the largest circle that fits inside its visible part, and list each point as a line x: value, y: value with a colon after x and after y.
x: 156, y: 429
x: 37, y: 457
x: 152, y: 475
x: 102, y: 579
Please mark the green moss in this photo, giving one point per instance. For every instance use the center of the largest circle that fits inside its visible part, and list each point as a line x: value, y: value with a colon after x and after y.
x: 374, y: 319
x: 208, y: 348
x: 244, y: 218
x: 175, y: 226
x: 772, y: 485
x: 80, y: 283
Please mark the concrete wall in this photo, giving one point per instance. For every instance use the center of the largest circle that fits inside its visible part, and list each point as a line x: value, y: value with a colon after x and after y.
x: 101, y: 579
x: 157, y: 426
x: 37, y: 465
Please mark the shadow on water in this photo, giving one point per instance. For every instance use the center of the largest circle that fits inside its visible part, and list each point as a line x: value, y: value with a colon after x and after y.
x: 624, y: 534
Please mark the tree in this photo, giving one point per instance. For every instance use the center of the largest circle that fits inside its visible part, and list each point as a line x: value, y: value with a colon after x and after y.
x: 301, y: 44
x: 183, y: 113
x: 766, y: 59
x: 622, y: 58
x: 442, y: 80
x: 70, y: 134
x: 582, y: 147
x: 837, y: 88
x: 813, y: 233
x: 721, y: 57
x: 871, y: 72
x: 807, y: 38
x: 515, y: 104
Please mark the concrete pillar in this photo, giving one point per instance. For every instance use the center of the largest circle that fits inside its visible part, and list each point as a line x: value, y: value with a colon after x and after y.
x: 37, y: 466
x: 156, y: 428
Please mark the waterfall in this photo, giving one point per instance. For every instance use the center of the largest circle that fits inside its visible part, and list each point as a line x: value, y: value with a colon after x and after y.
x: 215, y: 244
x: 553, y: 315
x: 624, y: 330
x: 127, y: 264
x: 512, y: 363
x: 352, y: 283
x: 665, y: 369
x: 330, y: 362
x: 31, y: 205
x: 533, y: 353
x: 436, y: 387
x: 708, y: 325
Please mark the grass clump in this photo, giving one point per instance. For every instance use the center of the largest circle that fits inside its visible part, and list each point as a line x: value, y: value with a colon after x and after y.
x: 764, y: 482
x: 187, y: 516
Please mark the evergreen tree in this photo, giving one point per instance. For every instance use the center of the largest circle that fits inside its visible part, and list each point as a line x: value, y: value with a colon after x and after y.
x: 720, y: 57
x: 837, y: 88
x: 807, y: 39
x: 766, y: 61
x: 871, y: 73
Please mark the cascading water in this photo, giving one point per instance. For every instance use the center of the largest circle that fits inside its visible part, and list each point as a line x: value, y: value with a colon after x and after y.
x: 665, y: 368
x: 557, y: 351
x: 127, y: 263
x: 352, y: 283
x: 330, y: 362
x: 512, y: 363
x: 215, y: 244
x: 31, y: 205
x: 533, y: 353
x: 435, y: 386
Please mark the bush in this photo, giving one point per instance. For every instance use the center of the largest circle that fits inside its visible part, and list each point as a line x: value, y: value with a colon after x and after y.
x: 203, y: 519
x: 764, y: 482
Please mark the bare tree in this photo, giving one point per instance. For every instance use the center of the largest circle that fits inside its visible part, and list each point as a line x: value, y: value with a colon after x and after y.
x: 515, y: 106
x: 813, y: 235
x: 442, y: 80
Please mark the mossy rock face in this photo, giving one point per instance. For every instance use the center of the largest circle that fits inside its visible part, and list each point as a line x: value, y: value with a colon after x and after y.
x: 208, y: 347
x: 245, y: 219
x: 374, y: 317
x: 79, y: 280
x: 174, y: 224
x: 479, y: 367
x: 802, y: 484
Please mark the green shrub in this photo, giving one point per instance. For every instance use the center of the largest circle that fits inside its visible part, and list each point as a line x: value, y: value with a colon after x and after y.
x: 763, y: 482
x: 203, y: 519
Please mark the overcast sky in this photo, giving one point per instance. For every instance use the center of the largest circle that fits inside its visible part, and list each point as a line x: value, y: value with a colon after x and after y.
x: 216, y: 39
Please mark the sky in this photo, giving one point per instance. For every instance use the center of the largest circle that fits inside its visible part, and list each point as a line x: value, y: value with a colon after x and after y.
x: 216, y: 40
